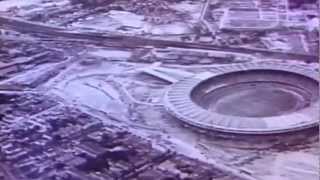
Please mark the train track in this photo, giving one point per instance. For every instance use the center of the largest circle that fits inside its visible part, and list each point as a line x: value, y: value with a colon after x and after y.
x: 125, y: 41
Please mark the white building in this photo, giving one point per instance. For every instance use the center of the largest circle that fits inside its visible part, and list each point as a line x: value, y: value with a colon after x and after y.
x: 313, y: 24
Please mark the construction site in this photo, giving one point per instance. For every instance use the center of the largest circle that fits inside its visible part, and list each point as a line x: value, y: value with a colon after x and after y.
x: 159, y: 90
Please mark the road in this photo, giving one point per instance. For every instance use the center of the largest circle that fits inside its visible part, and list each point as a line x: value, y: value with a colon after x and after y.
x: 125, y: 41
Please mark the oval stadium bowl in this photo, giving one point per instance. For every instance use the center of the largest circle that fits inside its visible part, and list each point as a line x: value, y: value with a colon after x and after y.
x: 253, y: 98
